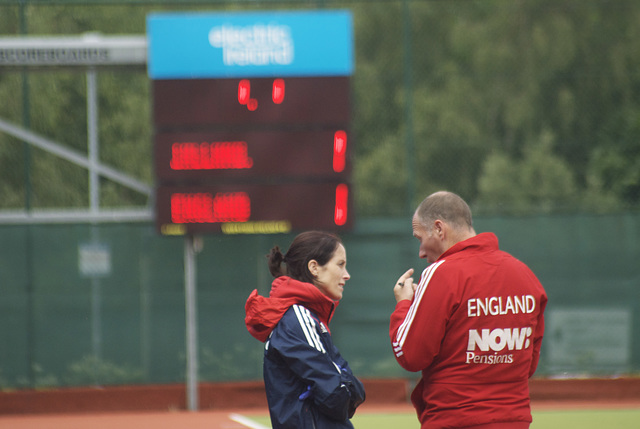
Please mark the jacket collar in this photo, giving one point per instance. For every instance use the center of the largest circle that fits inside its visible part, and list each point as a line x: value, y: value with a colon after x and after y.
x: 263, y: 314
x: 478, y: 243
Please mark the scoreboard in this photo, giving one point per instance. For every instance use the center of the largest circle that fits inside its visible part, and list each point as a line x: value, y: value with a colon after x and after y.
x: 251, y: 117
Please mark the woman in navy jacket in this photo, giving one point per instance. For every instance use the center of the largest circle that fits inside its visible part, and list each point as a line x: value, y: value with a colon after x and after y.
x: 308, y: 383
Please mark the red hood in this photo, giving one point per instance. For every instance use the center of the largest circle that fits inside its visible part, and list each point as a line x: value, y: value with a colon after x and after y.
x: 263, y: 314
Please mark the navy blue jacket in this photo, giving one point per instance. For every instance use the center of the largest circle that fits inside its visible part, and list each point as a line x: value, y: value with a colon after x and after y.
x: 308, y: 383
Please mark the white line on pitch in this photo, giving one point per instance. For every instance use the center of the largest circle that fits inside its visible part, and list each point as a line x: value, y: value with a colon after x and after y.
x: 246, y: 422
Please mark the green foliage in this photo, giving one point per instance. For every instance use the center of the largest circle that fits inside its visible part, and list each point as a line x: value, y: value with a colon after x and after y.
x: 42, y: 379
x: 382, y: 171
x: 493, y: 83
x: 91, y: 371
x: 517, y: 106
x: 540, y: 182
x: 223, y: 365
x: 87, y: 371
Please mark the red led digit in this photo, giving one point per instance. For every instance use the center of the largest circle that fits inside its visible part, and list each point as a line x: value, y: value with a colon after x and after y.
x: 204, y: 208
x: 244, y: 91
x: 342, y: 195
x: 339, y: 151
x: 252, y: 104
x: 210, y: 156
x: 277, y: 94
x: 191, y: 208
x: 176, y: 208
x: 223, y: 207
x: 231, y: 207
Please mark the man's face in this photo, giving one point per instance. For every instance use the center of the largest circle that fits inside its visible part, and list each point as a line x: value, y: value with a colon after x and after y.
x: 430, y: 244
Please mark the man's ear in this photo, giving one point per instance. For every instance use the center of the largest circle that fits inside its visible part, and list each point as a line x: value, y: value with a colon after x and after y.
x: 439, y: 228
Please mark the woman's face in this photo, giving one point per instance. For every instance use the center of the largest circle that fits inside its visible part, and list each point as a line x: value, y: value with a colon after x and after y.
x: 331, y: 277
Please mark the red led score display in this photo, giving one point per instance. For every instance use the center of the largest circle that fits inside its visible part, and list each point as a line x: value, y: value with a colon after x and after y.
x: 252, y: 155
x: 256, y: 101
x: 244, y: 93
x: 253, y: 208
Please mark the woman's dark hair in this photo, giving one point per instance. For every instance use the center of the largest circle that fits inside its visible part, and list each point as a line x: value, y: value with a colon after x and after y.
x: 306, y: 246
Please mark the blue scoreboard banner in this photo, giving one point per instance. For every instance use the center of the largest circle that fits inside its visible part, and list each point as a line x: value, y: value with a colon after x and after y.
x: 256, y: 44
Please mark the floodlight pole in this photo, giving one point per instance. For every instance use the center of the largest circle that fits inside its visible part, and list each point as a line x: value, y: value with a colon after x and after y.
x: 192, y: 245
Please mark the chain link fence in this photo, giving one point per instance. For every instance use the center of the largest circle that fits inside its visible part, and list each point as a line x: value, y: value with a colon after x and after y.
x: 528, y: 109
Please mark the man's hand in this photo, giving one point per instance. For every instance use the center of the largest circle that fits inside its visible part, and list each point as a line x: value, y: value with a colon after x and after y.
x: 404, y: 288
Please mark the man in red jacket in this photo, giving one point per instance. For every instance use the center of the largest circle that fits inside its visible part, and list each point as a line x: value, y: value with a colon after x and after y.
x: 473, y: 324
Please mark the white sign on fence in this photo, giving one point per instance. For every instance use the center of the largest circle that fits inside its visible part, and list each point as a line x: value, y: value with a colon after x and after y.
x: 94, y: 259
x: 588, y: 339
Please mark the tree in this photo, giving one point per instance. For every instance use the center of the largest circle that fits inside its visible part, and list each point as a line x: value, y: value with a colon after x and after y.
x: 539, y: 182
x: 482, y: 84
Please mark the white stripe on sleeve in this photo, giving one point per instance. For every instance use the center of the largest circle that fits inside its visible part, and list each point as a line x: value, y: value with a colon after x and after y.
x: 403, y: 330
x: 308, y: 326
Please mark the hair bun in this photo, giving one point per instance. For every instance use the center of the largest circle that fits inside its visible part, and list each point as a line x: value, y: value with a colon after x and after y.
x: 276, y: 258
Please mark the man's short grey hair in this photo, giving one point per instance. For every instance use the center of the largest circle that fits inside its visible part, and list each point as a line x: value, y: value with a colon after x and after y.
x: 446, y: 206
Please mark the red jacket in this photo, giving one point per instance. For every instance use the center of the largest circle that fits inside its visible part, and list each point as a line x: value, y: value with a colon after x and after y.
x: 474, y: 328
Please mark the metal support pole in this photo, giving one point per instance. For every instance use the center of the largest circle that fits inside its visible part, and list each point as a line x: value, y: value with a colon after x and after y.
x: 191, y: 247
x: 410, y: 155
x: 96, y: 320
x: 26, y: 123
x: 94, y: 147
x: 93, y: 151
x: 96, y: 306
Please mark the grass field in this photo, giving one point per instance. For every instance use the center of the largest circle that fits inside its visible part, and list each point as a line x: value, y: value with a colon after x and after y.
x: 587, y: 419
x: 557, y: 419
x: 583, y: 416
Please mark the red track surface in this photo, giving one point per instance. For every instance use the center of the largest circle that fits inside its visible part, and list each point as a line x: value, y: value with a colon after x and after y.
x: 159, y: 407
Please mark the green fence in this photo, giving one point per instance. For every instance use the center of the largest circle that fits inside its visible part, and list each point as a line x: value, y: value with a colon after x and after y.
x: 68, y: 319
x: 527, y: 109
